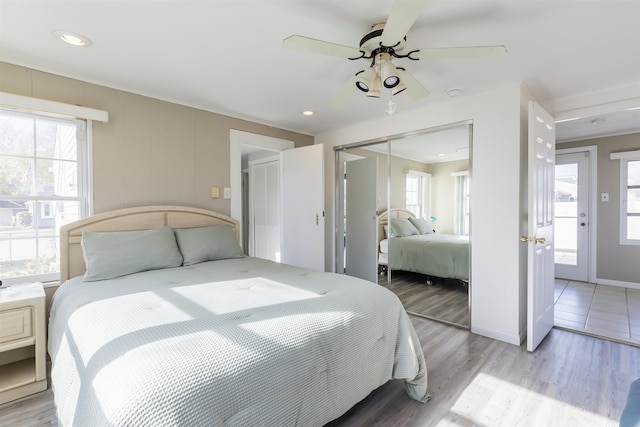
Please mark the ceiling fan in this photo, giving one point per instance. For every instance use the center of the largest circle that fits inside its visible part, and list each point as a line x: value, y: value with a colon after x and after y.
x: 384, y: 42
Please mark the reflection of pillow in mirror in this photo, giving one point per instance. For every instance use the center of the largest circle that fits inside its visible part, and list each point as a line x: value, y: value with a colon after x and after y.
x: 387, y: 233
x: 422, y: 225
x: 401, y: 227
x: 208, y: 244
x: 118, y: 253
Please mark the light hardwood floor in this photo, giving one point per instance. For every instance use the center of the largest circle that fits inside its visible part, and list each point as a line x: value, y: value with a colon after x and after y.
x: 571, y: 380
x: 444, y: 299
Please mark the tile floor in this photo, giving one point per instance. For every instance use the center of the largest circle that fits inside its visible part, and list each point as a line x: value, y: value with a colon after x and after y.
x: 606, y: 311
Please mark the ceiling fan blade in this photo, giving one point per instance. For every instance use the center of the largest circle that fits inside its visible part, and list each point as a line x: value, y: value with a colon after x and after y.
x: 320, y: 47
x: 345, y: 94
x: 403, y: 14
x: 415, y: 89
x: 460, y: 52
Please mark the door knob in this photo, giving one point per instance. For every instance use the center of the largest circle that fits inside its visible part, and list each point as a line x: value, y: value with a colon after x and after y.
x: 525, y: 239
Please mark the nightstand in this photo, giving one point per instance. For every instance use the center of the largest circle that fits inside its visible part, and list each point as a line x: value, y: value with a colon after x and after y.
x: 22, y: 341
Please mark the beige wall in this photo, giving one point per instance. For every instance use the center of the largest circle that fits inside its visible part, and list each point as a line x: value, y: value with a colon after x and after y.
x: 150, y: 151
x: 615, y: 262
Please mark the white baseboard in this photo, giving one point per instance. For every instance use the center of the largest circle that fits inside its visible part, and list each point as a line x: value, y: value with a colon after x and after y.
x: 630, y: 285
x: 508, y: 338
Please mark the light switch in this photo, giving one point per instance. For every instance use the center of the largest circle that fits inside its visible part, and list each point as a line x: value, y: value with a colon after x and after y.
x: 215, y: 192
x: 604, y: 197
x: 227, y: 193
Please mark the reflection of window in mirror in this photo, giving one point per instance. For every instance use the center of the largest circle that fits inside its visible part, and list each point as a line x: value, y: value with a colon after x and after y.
x: 461, y: 203
x: 417, y: 189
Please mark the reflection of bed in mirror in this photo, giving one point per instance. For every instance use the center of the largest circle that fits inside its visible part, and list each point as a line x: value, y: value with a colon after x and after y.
x: 415, y: 247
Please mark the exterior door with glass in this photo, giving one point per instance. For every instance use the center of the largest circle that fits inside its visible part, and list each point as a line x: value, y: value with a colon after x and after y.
x: 572, y: 216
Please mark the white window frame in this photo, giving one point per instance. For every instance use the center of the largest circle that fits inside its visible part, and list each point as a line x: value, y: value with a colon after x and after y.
x: 625, y: 157
x: 424, y: 191
x: 461, y: 203
x: 82, y: 118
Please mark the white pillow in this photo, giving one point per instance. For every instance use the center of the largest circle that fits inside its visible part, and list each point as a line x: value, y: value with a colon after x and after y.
x: 208, y: 244
x: 118, y: 253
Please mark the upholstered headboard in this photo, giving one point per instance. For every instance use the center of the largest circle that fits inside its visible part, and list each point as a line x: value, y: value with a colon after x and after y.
x: 139, y: 218
x: 385, y: 216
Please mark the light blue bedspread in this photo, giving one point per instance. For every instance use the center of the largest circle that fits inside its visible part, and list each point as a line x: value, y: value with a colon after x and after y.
x: 241, y: 342
x: 440, y: 255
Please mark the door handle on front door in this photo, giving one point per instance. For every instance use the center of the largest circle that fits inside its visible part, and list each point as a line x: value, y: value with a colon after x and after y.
x: 525, y: 239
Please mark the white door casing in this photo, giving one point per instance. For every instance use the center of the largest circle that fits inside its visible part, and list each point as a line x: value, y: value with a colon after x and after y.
x: 303, y: 207
x: 540, y: 263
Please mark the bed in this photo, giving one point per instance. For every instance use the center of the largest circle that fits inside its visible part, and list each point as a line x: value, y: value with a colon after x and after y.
x: 221, y: 339
x: 415, y: 247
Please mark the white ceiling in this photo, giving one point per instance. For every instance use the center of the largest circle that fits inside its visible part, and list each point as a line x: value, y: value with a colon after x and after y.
x: 226, y: 56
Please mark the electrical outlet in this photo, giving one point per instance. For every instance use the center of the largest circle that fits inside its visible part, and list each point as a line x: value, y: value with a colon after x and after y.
x: 215, y: 192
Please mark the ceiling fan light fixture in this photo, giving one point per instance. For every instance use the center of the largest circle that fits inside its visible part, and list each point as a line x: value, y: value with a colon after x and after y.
x: 374, y: 89
x: 389, y: 73
x: 398, y: 88
x: 366, y: 79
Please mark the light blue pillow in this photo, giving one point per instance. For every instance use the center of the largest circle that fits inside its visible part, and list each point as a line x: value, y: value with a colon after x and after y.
x: 422, y: 225
x: 208, y: 244
x: 401, y: 227
x: 118, y: 253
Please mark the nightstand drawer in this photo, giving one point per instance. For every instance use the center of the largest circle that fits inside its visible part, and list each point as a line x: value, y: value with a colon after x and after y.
x: 15, y: 324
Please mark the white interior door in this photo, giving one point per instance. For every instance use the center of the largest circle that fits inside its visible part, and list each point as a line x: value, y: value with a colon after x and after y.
x: 540, y: 266
x: 571, y: 213
x: 303, y: 207
x: 361, y: 231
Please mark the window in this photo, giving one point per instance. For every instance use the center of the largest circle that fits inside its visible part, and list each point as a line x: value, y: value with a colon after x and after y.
x: 417, y: 193
x: 461, y: 205
x: 630, y: 200
x: 43, y: 185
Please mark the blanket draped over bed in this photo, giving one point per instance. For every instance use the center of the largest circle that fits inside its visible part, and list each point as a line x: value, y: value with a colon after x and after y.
x: 440, y: 255
x: 238, y: 342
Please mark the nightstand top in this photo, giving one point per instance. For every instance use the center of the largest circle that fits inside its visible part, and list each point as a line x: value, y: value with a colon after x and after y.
x: 21, y: 291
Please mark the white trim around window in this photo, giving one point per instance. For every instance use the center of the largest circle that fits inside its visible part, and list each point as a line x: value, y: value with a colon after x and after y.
x: 43, y: 106
x: 628, y: 210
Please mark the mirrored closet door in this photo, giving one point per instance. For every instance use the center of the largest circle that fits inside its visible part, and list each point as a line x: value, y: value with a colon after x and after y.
x: 421, y: 243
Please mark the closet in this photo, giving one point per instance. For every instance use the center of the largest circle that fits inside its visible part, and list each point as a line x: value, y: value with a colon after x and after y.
x: 419, y: 172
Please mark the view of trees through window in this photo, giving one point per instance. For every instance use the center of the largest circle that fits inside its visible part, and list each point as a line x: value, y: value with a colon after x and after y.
x: 40, y: 190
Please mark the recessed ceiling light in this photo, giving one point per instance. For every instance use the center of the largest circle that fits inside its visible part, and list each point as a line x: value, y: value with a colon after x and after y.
x: 453, y: 92
x: 73, y: 39
x: 308, y: 113
x: 441, y: 154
